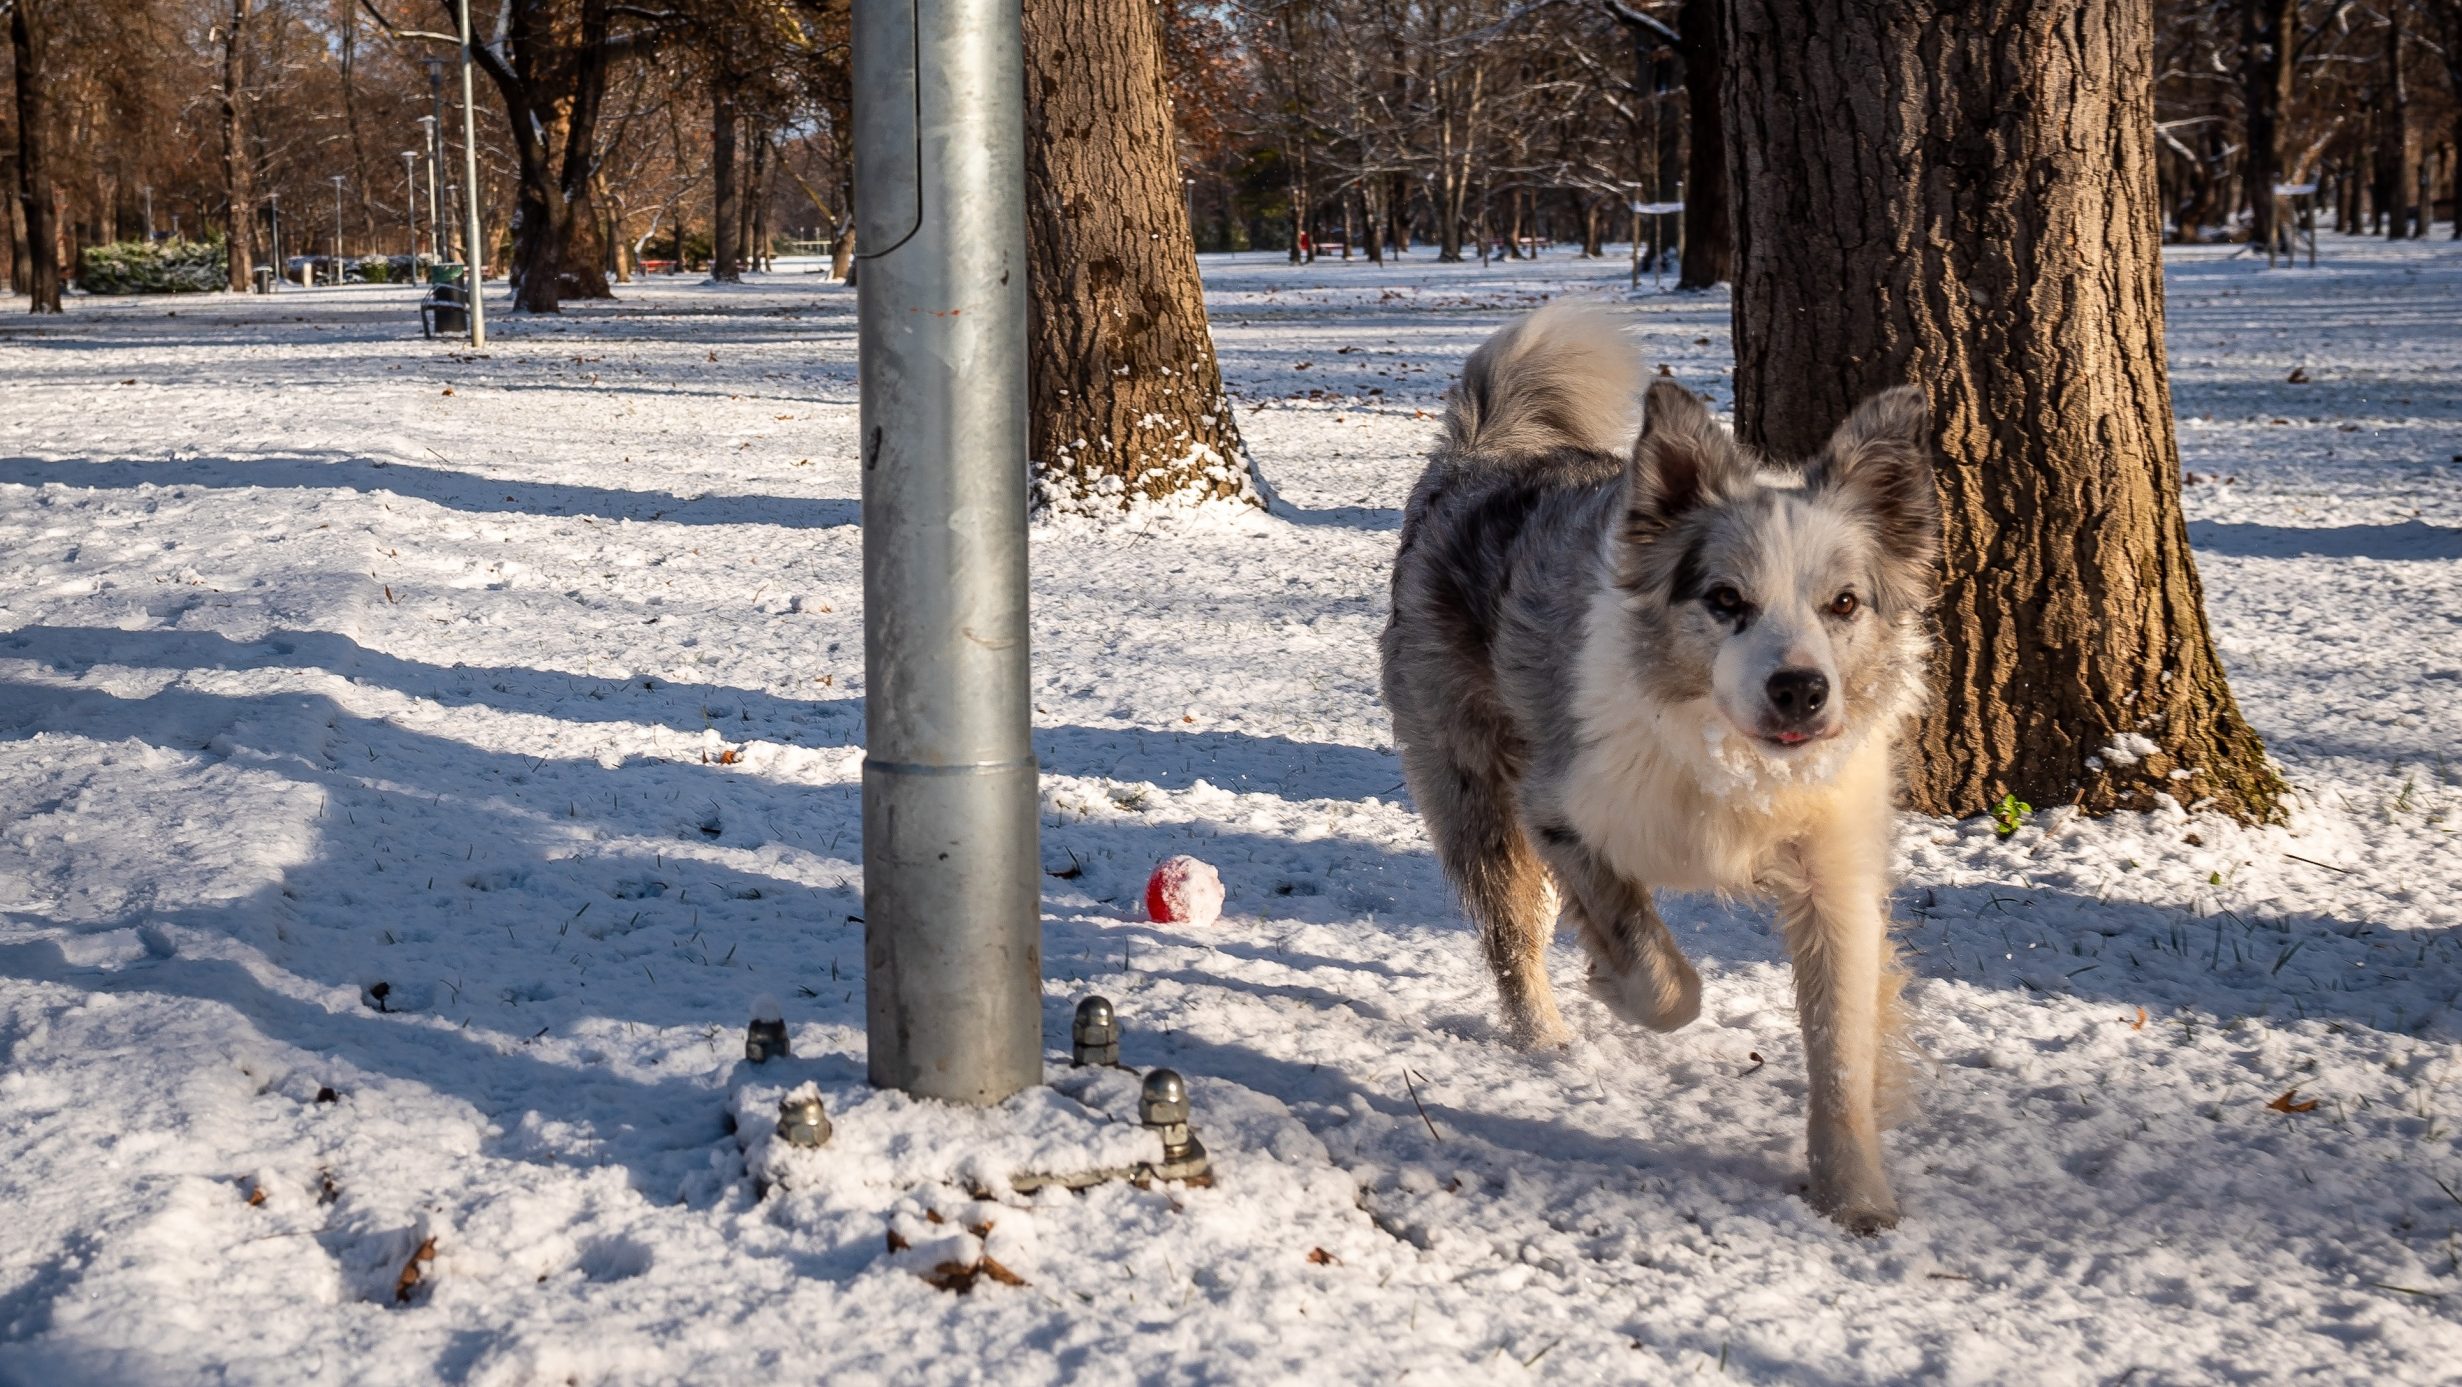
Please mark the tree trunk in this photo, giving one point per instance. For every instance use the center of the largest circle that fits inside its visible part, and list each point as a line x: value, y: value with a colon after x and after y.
x: 1126, y: 397
x: 553, y: 88
x: 1709, y: 237
x: 842, y: 253
x: 725, y: 215
x: 41, y: 281
x: 1985, y: 171
x: 238, y: 170
x: 2394, y: 136
x: 13, y: 222
x: 756, y: 223
x: 2266, y: 27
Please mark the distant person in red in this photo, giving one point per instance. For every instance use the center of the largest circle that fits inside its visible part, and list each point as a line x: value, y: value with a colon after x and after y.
x: 1307, y: 248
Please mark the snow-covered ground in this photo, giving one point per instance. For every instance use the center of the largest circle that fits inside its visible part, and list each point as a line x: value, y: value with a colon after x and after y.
x: 410, y: 766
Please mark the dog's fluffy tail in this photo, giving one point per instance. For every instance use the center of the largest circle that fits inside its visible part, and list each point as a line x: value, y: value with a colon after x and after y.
x: 1564, y: 377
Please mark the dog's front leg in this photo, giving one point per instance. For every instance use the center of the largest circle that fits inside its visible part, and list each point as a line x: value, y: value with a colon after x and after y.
x: 1830, y: 905
x: 1635, y: 966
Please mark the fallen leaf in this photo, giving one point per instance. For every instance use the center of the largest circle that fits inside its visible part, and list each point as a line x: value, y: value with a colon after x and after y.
x: 896, y: 1243
x: 2298, y: 376
x: 256, y: 1196
x: 2288, y: 1102
x: 1319, y: 1257
x: 410, y: 1277
x: 448, y: 389
x: 2140, y: 1023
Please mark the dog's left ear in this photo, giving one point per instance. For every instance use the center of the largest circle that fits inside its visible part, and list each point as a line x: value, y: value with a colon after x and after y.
x: 1880, y: 462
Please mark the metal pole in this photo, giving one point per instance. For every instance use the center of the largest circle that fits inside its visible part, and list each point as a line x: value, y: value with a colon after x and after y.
x: 273, y: 224
x: 473, y: 273
x: 337, y: 181
x: 952, y: 882
x: 410, y: 182
x: 149, y: 214
x: 435, y: 205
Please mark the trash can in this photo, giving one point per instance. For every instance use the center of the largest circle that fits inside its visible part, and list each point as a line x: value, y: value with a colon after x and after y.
x: 445, y: 272
x: 264, y: 279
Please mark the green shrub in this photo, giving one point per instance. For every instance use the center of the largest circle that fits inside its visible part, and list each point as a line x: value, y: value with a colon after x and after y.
x: 159, y: 267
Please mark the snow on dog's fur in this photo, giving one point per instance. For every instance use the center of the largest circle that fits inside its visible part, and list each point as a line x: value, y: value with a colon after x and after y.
x: 1670, y: 666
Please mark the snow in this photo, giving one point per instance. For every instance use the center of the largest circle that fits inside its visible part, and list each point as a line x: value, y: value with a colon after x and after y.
x: 299, y: 614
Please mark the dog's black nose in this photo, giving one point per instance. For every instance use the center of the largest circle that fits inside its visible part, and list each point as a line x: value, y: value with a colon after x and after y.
x: 1796, y: 695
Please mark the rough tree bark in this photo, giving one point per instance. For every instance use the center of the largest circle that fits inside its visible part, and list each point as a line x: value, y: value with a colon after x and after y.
x: 2266, y: 31
x: 238, y: 169
x: 1709, y: 236
x: 20, y: 263
x: 554, y: 87
x: 2393, y: 153
x: 41, y: 281
x: 1126, y: 399
x: 725, y: 216
x: 1960, y: 194
x: 2448, y: 17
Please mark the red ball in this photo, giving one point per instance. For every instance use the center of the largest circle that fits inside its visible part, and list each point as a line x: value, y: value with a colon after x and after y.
x: 1184, y: 891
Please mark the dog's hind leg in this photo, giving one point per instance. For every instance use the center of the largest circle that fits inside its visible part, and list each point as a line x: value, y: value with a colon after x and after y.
x: 1635, y: 966
x: 1479, y: 839
x: 1830, y: 906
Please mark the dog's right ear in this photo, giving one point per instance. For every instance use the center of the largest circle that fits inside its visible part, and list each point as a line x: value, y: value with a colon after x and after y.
x: 1681, y: 459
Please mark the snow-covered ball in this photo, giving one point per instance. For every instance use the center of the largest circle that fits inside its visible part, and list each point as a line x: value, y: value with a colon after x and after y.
x: 1184, y: 891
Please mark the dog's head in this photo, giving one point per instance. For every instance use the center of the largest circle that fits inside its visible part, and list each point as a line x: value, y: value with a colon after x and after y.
x: 1792, y: 600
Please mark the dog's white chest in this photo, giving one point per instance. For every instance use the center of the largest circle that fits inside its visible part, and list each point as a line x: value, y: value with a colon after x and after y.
x: 1635, y: 806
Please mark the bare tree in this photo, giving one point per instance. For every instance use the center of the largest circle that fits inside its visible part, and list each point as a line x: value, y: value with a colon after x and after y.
x: 238, y: 163
x: 1985, y: 172
x: 1126, y: 400
x: 27, y: 57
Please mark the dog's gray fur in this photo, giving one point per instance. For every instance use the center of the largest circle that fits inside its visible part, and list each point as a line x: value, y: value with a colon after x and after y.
x: 1620, y: 664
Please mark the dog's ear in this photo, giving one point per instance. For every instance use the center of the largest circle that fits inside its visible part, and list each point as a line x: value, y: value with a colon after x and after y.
x: 1880, y: 462
x: 1681, y: 459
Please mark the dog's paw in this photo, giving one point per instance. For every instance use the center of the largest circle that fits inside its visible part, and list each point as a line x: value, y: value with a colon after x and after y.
x: 1865, y: 1212
x: 1540, y: 1035
x: 1866, y: 1220
x: 1645, y: 998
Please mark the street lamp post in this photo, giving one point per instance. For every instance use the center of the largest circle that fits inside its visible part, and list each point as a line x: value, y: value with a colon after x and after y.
x: 951, y: 877
x: 337, y: 181
x: 410, y: 183
x: 273, y: 217
x: 149, y: 214
x: 435, y: 205
x: 474, y: 273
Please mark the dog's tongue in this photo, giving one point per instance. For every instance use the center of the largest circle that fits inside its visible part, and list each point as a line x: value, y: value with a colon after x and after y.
x: 1794, y: 738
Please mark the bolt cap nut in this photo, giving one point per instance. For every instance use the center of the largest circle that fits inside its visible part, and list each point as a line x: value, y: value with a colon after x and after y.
x: 1164, y: 1102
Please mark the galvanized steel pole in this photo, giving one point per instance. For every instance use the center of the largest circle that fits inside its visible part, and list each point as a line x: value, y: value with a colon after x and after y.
x: 474, y: 269
x: 952, y: 879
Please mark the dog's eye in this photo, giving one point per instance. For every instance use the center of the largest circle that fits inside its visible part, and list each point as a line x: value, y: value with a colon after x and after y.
x: 1843, y: 604
x: 1723, y: 600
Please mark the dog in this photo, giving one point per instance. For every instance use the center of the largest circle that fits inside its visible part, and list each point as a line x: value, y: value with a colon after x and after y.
x: 1621, y: 664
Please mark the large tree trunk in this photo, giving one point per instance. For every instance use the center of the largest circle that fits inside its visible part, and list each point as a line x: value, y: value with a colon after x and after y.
x: 2266, y: 29
x: 725, y: 217
x: 842, y: 253
x: 41, y: 281
x: 1709, y: 236
x: 1126, y: 398
x: 553, y: 89
x: 2393, y: 155
x: 1982, y: 176
x: 13, y: 222
x: 238, y: 169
